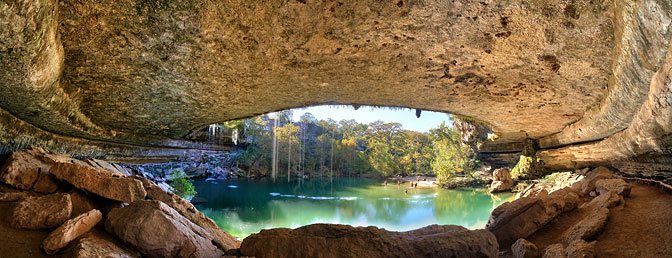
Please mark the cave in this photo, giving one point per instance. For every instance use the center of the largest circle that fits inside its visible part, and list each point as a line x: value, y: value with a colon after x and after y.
x: 579, y: 86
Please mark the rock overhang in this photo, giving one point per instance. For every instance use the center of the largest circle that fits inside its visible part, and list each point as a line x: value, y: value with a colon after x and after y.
x: 150, y: 72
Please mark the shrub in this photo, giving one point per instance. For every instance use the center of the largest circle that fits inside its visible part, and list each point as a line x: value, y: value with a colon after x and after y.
x: 181, y: 184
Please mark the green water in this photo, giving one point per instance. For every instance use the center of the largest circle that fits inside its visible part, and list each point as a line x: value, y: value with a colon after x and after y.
x: 242, y: 207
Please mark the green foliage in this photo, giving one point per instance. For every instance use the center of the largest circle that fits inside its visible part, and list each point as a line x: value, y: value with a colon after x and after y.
x: 181, y: 184
x: 528, y: 167
x: 346, y: 147
x: 452, y: 158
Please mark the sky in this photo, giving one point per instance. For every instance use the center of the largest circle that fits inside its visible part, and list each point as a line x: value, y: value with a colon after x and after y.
x: 365, y: 115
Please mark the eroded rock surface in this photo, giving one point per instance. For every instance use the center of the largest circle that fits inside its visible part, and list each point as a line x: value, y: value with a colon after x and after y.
x: 327, y: 240
x: 555, y: 251
x: 222, y: 239
x: 157, y: 230
x: 524, y: 249
x: 592, y: 177
x: 100, y: 182
x: 70, y: 230
x: 94, y: 246
x: 617, y: 185
x: 592, y: 224
x: 41, y: 212
x: 581, y: 249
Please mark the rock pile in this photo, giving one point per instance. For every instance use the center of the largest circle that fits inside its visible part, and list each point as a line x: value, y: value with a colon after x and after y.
x: 73, y: 196
x: 537, y: 205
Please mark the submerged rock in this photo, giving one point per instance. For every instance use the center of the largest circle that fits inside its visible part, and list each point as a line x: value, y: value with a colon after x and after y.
x: 41, y: 212
x: 100, y: 182
x: 70, y: 230
x: 501, y: 180
x: 524, y: 249
x: 157, y: 230
x: 329, y: 240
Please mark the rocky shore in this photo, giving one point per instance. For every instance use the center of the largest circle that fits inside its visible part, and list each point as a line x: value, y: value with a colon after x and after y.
x: 92, y: 207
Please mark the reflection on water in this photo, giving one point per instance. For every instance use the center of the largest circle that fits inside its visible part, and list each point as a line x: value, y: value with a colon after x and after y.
x: 242, y: 207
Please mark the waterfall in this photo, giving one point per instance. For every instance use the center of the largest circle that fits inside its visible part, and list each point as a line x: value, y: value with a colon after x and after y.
x: 234, y: 136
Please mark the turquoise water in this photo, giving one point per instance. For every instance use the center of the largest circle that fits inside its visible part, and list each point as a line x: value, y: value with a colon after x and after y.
x: 242, y: 206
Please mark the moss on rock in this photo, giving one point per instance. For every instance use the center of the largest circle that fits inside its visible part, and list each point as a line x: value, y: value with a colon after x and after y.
x: 528, y: 167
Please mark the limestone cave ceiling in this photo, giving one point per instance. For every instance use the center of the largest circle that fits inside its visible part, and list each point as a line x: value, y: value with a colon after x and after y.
x: 149, y: 71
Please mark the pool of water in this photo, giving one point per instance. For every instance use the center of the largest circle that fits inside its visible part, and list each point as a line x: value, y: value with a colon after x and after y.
x: 242, y: 206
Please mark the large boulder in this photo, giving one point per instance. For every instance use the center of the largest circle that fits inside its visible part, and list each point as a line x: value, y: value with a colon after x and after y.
x: 93, y: 246
x: 524, y: 216
x: 157, y: 230
x: 29, y: 167
x: 41, y: 212
x: 70, y: 230
x: 329, y: 240
x: 519, y: 219
x: 103, y: 183
x: 589, y: 226
x: 501, y: 180
x: 524, y: 249
x: 617, y: 185
x: 592, y: 178
x: 222, y: 239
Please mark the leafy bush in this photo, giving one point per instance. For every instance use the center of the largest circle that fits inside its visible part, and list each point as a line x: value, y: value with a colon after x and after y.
x: 181, y: 184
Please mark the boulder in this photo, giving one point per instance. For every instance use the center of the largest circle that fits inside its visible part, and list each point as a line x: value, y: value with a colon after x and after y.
x: 555, y: 251
x: 524, y: 249
x: 93, y: 246
x: 617, y: 185
x: 501, y: 180
x: 589, y: 226
x: 592, y: 178
x: 332, y: 240
x: 222, y: 239
x: 41, y: 212
x: 23, y: 167
x: 581, y: 249
x: 157, y: 230
x: 607, y: 200
x: 70, y: 230
x: 103, y: 183
x: 520, y: 219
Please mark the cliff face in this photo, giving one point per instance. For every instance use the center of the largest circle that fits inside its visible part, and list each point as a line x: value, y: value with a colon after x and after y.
x: 586, y: 79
